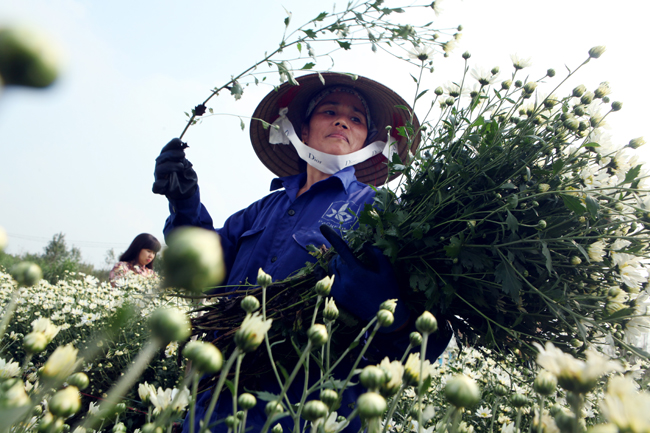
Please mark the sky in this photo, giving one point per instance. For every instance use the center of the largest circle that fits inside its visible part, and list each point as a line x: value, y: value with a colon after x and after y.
x: 78, y: 157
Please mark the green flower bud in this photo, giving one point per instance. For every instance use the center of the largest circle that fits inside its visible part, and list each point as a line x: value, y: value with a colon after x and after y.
x: 518, y: 400
x: 494, y: 70
x: 596, y: 52
x: 602, y: 90
x: 263, y: 279
x: 250, y: 304
x: 616, y: 106
x: 587, y: 98
x: 317, y: 334
x: 330, y: 312
x: 119, y: 428
x: 170, y: 324
x: 541, y: 225
x: 415, y: 338
x: 27, y: 57
x: 26, y: 274
x: 426, y: 323
x: 206, y: 357
x: 12, y: 394
x: 50, y: 424
x: 372, y: 377
x: 329, y: 397
x: 575, y: 260
x: 385, y: 318
x: 277, y: 429
x: 151, y: 428
x: 247, y: 401
x: 466, y: 55
x: 500, y: 390
x: 231, y: 422
x: 65, y: 402
x: 519, y: 83
x: 450, y: 101
x: 605, y: 99
x: 571, y: 124
x: 505, y: 85
x: 461, y: 391
x: 80, y: 380
x: 439, y: 91
x: 545, y: 383
x: 578, y: 91
x: 576, y: 343
x: 389, y: 305
x: 324, y: 286
x: 313, y: 410
x: 635, y: 143
x: 273, y: 408
x: 578, y: 110
x: 193, y: 259
x: 371, y: 405
x: 530, y: 87
x: 550, y: 72
x: 543, y: 187
x: 35, y: 342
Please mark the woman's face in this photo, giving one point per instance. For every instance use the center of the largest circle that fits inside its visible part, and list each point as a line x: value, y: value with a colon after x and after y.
x: 146, y: 256
x: 337, y: 125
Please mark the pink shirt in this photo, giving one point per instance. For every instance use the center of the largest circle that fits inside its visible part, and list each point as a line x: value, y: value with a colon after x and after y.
x: 122, y: 270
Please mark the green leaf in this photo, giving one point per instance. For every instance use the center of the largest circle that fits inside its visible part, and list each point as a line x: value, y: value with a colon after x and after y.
x: 308, y: 65
x: 558, y: 166
x: 421, y: 94
x: 547, y: 255
x: 573, y: 204
x: 512, y: 222
x: 299, y: 46
x: 266, y: 396
x: 321, y: 16
x: 310, y: 33
x: 508, y: 185
x: 632, y: 174
x: 592, y: 206
x: 582, y: 250
x: 510, y: 282
x: 591, y: 145
x: 345, y: 45
x: 454, y: 247
x: 242, y: 124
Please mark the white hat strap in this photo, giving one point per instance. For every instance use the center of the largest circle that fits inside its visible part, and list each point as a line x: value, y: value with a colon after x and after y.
x: 282, y: 132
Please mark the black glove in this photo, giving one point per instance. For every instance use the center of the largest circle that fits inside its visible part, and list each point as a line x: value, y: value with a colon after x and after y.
x: 174, y: 176
x: 362, y: 287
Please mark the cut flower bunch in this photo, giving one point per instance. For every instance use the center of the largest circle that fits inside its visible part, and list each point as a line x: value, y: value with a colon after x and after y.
x: 518, y: 220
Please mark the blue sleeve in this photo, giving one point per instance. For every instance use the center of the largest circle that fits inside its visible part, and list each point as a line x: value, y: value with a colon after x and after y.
x: 188, y: 212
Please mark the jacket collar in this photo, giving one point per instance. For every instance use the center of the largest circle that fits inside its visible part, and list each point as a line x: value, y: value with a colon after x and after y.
x: 344, y: 178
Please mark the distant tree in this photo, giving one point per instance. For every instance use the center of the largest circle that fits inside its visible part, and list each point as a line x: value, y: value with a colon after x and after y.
x: 58, y: 258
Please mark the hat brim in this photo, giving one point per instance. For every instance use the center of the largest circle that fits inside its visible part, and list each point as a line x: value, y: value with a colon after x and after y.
x: 386, y: 109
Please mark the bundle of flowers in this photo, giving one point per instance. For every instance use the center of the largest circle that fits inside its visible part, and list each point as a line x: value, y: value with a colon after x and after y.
x: 519, y: 220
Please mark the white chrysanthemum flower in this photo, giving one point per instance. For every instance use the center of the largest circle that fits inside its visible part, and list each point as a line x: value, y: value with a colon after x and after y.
x: 520, y: 62
x: 252, y: 331
x: 574, y: 374
x: 631, y: 271
x: 483, y: 412
x: 619, y: 244
x: 508, y: 427
x: 421, y: 53
x: 46, y: 327
x: 9, y: 369
x: 61, y: 363
x: 626, y: 407
x: 412, y: 369
x: 93, y: 408
x: 330, y: 425
x: 594, y: 176
x: 484, y: 76
x: 596, y: 251
x: 171, y: 349
x: 453, y: 89
x: 145, y: 390
x: 396, y: 370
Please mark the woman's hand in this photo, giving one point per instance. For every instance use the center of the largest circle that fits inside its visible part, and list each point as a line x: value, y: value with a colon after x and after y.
x: 173, y: 174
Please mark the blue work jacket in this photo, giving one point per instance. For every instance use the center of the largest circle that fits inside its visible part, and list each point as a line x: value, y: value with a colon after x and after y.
x: 274, y: 232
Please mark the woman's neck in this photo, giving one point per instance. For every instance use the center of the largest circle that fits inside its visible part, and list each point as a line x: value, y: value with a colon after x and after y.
x: 313, y: 175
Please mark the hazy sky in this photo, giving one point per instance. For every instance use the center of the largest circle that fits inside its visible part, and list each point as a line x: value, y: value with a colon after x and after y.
x: 78, y: 157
